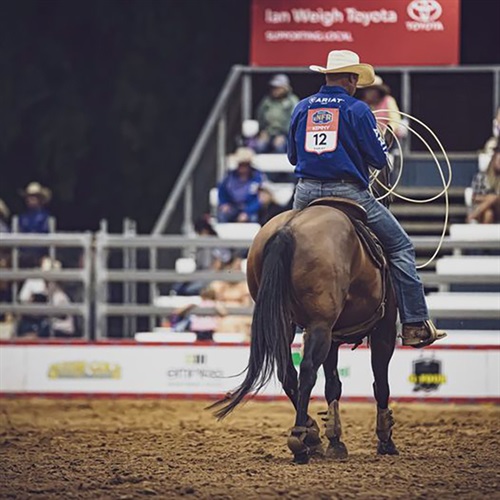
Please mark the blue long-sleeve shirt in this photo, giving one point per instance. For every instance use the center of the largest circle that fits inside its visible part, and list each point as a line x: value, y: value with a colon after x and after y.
x: 243, y: 194
x: 334, y: 136
x: 34, y: 221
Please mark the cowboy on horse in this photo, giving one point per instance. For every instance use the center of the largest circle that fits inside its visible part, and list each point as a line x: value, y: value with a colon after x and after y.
x: 318, y: 267
x: 333, y: 139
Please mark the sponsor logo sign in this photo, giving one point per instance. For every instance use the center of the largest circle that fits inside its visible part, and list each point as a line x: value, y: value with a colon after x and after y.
x: 195, y: 370
x: 382, y: 32
x: 85, y: 370
x: 425, y: 15
x: 427, y: 375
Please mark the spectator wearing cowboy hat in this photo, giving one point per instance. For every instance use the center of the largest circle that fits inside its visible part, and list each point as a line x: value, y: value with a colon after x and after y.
x: 35, y: 219
x: 274, y: 113
x: 382, y: 103
x: 239, y: 190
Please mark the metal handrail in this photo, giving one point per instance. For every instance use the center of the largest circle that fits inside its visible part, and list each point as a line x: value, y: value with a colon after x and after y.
x: 480, y: 68
x: 195, y: 155
x: 24, y: 274
x: 44, y: 309
x: 66, y: 240
x: 139, y: 241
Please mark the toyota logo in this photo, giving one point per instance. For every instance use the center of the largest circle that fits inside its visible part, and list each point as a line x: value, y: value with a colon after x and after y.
x: 424, y: 11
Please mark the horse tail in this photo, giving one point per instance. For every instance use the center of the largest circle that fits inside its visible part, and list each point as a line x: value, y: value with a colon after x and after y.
x: 271, y: 322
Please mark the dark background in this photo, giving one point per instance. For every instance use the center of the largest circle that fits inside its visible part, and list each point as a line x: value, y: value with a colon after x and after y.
x: 102, y: 100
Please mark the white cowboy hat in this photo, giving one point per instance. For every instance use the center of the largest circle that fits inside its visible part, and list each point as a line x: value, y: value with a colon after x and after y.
x: 346, y: 61
x: 243, y: 155
x: 36, y: 189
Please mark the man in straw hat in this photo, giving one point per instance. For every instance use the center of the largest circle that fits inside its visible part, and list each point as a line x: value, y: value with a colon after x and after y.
x: 333, y: 139
x: 239, y: 190
x: 35, y: 219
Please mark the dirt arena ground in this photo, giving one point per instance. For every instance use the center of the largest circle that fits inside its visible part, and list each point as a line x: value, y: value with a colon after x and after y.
x: 128, y: 449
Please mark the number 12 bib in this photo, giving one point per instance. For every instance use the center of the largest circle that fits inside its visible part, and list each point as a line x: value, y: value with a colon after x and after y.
x: 322, y: 130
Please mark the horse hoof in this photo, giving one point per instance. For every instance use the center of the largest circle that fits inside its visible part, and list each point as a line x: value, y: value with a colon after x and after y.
x: 301, y: 459
x: 296, y: 446
x: 387, y: 448
x: 337, y: 451
x: 316, y: 451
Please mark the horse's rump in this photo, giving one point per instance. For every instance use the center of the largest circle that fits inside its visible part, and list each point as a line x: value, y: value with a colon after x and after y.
x: 333, y: 275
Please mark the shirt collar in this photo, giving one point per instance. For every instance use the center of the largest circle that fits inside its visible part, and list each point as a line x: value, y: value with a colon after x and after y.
x: 333, y: 89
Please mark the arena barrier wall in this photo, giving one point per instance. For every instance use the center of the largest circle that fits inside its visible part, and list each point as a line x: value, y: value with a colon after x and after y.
x: 463, y: 374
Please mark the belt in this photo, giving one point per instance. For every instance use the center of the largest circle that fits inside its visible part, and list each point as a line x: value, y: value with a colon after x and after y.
x: 332, y: 181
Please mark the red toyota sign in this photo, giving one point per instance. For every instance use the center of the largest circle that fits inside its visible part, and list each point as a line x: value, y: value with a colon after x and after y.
x: 382, y: 32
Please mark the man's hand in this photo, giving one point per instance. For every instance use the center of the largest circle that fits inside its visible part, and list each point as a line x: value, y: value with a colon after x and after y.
x: 225, y: 208
x: 243, y: 217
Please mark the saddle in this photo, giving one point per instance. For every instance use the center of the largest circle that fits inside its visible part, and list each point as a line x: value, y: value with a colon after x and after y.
x: 359, y: 219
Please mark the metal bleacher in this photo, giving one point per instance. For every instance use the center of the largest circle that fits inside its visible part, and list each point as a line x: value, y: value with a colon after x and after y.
x: 457, y: 296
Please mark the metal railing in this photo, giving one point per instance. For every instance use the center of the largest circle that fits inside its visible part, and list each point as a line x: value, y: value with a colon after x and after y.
x: 18, y: 243
x: 217, y: 131
x: 142, y: 263
x: 153, y: 276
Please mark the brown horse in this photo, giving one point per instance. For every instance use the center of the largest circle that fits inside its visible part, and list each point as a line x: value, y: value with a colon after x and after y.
x: 309, y: 268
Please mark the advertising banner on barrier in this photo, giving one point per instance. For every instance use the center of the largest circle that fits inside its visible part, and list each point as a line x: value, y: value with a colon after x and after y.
x: 382, y: 32
x: 190, y: 370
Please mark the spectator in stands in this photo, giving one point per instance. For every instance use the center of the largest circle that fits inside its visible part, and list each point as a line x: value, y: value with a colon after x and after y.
x: 234, y: 294
x: 268, y: 206
x: 209, y: 258
x: 4, y: 217
x: 249, y: 135
x: 34, y: 291
x: 36, y: 218
x: 206, y: 258
x: 205, y: 325
x: 274, y: 113
x: 238, y: 191
x: 62, y: 326
x: 382, y: 103
x: 40, y: 291
x: 493, y: 142
x: 486, y: 193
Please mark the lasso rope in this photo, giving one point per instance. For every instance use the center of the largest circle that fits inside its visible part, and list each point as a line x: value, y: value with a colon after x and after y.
x: 446, y: 183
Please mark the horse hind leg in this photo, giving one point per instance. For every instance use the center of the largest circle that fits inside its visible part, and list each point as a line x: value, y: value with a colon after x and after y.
x: 383, y: 341
x: 333, y: 390
x: 304, y: 438
x: 312, y: 439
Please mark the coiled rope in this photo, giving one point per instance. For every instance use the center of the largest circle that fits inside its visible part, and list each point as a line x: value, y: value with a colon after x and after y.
x: 392, y: 190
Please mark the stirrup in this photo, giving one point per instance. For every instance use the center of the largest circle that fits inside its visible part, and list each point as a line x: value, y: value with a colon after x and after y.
x: 418, y: 342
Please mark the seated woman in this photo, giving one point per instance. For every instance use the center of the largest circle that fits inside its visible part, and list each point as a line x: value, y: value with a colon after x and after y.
x: 238, y: 191
x: 486, y: 193
x: 234, y: 294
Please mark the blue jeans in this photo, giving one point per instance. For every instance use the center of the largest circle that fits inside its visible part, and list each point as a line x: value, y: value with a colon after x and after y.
x: 398, y: 246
